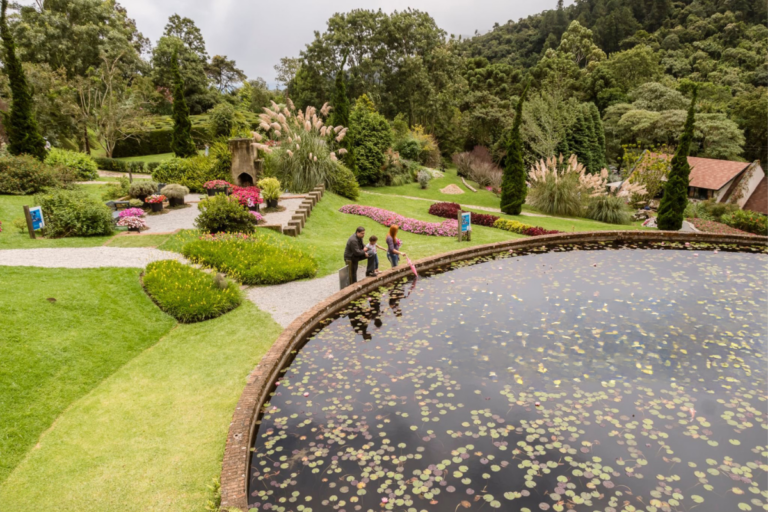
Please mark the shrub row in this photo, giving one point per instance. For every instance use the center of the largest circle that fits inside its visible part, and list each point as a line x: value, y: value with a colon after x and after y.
x: 188, y: 294
x: 112, y: 164
x: 451, y: 211
x: 154, y: 142
x: 260, y: 258
x: 751, y: 222
x: 25, y: 175
x: 522, y: 229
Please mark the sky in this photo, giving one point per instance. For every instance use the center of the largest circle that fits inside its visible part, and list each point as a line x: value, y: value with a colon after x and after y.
x: 257, y: 33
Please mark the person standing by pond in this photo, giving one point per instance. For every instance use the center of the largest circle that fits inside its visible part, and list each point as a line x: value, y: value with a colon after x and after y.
x: 393, y: 246
x: 354, y: 252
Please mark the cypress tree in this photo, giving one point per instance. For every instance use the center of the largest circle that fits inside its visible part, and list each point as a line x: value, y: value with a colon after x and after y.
x: 579, y: 140
x: 562, y: 148
x: 181, y: 140
x: 339, y: 99
x: 513, y: 185
x: 20, y: 124
x: 599, y: 154
x: 675, y: 198
x: 592, y: 145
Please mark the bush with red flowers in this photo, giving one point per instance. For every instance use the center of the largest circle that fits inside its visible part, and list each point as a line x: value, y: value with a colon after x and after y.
x: 248, y: 196
x: 451, y: 211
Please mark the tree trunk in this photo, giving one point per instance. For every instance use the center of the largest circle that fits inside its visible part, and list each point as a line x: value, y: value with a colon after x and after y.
x: 87, y: 141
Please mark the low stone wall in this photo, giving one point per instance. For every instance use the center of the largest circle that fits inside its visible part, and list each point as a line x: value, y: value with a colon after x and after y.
x: 234, y: 474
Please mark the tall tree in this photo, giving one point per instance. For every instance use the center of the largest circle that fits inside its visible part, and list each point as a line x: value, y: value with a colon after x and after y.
x: 181, y: 142
x: 675, y: 198
x: 513, y: 185
x: 224, y: 74
x: 579, y: 139
x: 186, y: 30
x: 192, y: 69
x: 339, y: 99
x: 599, y: 152
x: 20, y: 123
x: 286, y: 70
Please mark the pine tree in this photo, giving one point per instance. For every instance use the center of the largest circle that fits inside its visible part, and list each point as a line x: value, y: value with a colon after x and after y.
x: 579, y: 140
x: 592, y: 146
x: 675, y: 198
x: 599, y: 155
x: 20, y: 124
x: 513, y: 185
x: 339, y: 99
x: 181, y: 141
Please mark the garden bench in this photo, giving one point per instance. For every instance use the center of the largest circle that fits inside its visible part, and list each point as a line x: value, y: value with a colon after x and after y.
x: 115, y: 206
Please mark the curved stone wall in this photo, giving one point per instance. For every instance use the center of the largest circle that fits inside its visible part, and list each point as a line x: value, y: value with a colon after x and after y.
x: 234, y: 472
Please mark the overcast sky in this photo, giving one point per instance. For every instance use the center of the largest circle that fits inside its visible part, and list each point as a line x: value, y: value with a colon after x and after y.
x: 257, y: 33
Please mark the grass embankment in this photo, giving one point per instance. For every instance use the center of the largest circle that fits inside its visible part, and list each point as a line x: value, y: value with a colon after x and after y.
x: 150, y: 434
x: 54, y: 353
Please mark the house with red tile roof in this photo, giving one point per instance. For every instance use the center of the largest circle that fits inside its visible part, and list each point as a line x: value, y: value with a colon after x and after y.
x: 725, y: 181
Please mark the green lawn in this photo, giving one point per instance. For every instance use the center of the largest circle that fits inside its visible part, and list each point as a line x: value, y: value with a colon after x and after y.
x: 480, y: 198
x: 149, y: 405
x: 54, y: 353
x: 11, y: 207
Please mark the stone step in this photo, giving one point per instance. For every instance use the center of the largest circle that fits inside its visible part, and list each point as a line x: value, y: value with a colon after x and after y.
x: 290, y: 230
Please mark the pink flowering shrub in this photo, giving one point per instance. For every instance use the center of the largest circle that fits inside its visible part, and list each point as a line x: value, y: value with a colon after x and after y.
x: 447, y: 228
x: 248, y: 196
x: 256, y: 215
x: 132, y: 222
x: 131, y: 212
x: 217, y: 184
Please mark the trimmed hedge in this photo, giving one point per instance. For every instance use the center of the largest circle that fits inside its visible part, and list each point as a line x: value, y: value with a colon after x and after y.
x: 155, y: 142
x: 261, y: 258
x: 110, y: 164
x: 188, y: 294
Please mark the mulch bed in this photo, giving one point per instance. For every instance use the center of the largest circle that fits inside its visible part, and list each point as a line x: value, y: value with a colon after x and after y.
x: 710, y: 226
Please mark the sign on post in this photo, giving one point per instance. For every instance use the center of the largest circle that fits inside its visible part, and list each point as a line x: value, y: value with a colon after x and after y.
x: 465, y: 225
x: 34, y: 218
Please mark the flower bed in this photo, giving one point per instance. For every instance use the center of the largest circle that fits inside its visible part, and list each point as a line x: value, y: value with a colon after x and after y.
x: 155, y: 199
x: 261, y: 258
x: 132, y: 223
x: 451, y: 211
x: 710, y: 226
x: 188, y: 294
x: 131, y: 212
x: 448, y: 228
x: 522, y: 229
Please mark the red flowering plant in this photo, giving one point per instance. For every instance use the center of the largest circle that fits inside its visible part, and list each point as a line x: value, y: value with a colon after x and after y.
x: 217, y: 184
x: 451, y: 211
x: 155, y: 198
x: 248, y: 196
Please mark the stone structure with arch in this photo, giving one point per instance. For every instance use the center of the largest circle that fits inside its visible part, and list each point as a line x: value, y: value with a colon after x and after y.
x: 246, y: 169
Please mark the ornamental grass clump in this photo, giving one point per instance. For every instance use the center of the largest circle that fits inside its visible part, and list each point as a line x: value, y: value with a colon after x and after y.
x: 610, y: 209
x: 261, y: 258
x: 188, y: 294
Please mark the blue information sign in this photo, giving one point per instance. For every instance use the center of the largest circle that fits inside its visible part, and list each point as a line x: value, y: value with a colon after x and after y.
x: 466, y: 223
x: 37, y: 217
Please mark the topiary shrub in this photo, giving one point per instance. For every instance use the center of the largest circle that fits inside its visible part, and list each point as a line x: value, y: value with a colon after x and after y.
x: 188, y: 294
x: 70, y: 213
x: 174, y: 191
x: 25, y: 175
x: 343, y: 182
x: 84, y: 167
x: 610, y: 209
x: 261, y: 258
x: 142, y: 189
x: 423, y: 178
x: 224, y: 214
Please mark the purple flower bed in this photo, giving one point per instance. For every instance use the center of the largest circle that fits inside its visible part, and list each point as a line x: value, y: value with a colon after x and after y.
x: 448, y: 228
x: 131, y: 212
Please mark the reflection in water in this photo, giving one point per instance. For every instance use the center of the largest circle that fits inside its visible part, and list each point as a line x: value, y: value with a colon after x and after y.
x: 584, y: 380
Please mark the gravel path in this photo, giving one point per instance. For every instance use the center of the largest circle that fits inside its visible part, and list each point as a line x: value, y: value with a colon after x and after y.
x: 286, y: 302
x: 85, y: 257
x: 173, y: 220
x: 113, y: 174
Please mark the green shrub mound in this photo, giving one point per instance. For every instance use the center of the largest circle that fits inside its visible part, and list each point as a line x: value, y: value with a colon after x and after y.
x: 223, y: 214
x: 142, y: 189
x: 194, y: 172
x: 609, y: 209
x: 174, y: 191
x: 261, y: 258
x: 343, y: 183
x: 83, y: 166
x: 73, y: 213
x: 751, y: 222
x: 25, y: 175
x: 188, y: 294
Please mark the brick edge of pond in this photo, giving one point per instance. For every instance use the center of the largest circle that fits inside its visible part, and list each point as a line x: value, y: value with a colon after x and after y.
x: 234, y: 472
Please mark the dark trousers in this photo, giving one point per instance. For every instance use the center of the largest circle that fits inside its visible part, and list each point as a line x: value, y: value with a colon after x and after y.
x: 352, y: 266
x: 370, y: 269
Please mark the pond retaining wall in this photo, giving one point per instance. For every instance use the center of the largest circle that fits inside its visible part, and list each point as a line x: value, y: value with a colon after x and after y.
x: 235, y: 466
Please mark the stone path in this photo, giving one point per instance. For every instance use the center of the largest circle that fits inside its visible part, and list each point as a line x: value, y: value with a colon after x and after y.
x: 286, y: 302
x: 85, y: 257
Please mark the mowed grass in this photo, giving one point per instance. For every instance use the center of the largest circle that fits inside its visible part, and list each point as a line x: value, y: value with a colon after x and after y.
x: 134, y: 240
x: 12, y: 207
x: 151, y: 437
x: 55, y: 352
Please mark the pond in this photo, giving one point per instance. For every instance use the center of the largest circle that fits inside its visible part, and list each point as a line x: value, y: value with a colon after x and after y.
x: 595, y: 377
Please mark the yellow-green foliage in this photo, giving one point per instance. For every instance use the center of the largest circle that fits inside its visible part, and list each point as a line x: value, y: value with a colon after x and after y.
x: 261, y: 258
x: 511, y: 225
x: 188, y: 294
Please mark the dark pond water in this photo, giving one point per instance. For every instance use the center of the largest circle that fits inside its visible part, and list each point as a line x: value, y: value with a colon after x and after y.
x: 621, y: 379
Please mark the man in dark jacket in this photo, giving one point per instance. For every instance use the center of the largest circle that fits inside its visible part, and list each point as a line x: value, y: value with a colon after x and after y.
x: 354, y: 252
